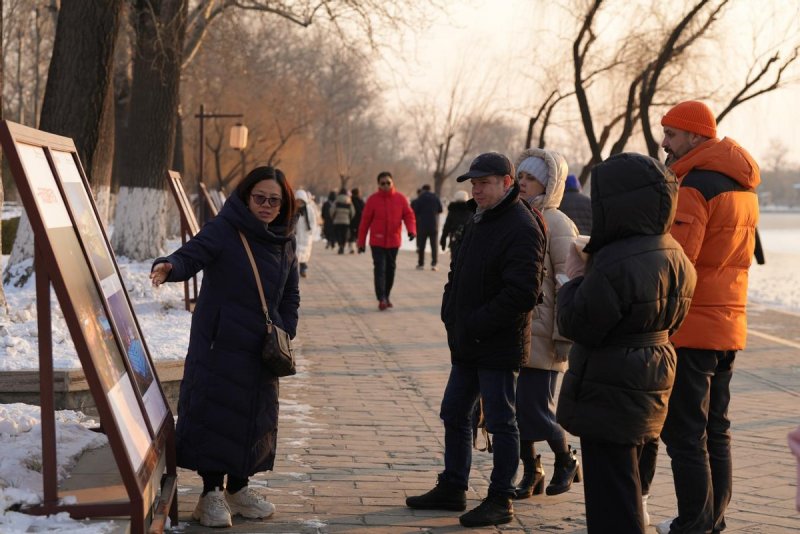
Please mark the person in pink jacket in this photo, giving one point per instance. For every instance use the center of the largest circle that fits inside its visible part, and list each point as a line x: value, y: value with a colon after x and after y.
x: 383, y: 217
x: 794, y: 445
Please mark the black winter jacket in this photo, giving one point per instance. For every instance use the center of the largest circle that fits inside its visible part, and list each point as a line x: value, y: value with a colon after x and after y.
x: 578, y: 207
x: 427, y: 208
x: 635, y: 292
x: 228, y: 405
x: 494, y: 282
x: 458, y: 213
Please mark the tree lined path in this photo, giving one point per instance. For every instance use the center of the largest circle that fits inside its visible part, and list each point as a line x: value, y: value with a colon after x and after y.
x: 359, y: 426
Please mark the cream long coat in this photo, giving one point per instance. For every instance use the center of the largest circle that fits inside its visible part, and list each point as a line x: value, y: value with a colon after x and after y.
x: 549, y: 349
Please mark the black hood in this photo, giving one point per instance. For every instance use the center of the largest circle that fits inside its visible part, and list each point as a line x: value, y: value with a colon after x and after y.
x: 632, y: 195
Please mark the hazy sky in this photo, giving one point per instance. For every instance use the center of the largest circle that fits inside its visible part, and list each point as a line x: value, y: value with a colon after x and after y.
x: 500, y: 40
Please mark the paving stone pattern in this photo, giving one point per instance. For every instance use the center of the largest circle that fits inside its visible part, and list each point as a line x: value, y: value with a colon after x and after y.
x: 359, y: 425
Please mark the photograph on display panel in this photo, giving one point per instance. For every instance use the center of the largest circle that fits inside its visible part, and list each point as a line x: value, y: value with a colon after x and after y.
x: 101, y: 258
x: 93, y: 320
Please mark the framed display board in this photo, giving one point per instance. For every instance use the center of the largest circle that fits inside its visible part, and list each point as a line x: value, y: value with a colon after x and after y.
x: 189, y: 227
x: 208, y: 197
x: 72, y: 252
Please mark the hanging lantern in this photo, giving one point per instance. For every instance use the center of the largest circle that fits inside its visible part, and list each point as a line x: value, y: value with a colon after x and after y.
x: 238, y: 139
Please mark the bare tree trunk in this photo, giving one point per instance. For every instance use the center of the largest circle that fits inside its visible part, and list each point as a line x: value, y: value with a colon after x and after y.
x: 20, y: 86
x: 78, y: 83
x: 3, y: 303
x: 149, y: 140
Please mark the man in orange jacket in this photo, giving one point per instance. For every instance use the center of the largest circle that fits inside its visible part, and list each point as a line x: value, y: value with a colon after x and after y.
x: 715, y: 223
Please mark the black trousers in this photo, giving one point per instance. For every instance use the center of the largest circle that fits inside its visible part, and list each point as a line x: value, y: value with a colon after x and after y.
x: 384, y: 264
x: 611, y: 488
x: 698, y: 439
x: 341, y: 231
x: 648, y: 456
x: 423, y: 237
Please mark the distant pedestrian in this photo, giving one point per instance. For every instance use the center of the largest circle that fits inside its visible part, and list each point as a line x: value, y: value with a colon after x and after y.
x: 458, y: 213
x: 716, y: 226
x: 577, y: 206
x: 342, y: 213
x: 228, y: 405
x: 493, y: 284
x: 427, y: 208
x: 619, y: 309
x: 358, y: 204
x: 305, y: 227
x: 327, y: 221
x: 541, y: 175
x: 383, y: 218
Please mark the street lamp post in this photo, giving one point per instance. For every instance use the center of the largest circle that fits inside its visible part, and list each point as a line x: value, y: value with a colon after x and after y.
x: 202, y: 116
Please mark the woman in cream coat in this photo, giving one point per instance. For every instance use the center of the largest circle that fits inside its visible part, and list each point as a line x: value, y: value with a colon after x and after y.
x: 542, y: 175
x: 305, y: 228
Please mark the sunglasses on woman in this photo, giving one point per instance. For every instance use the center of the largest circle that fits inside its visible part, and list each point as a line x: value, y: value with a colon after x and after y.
x: 271, y: 201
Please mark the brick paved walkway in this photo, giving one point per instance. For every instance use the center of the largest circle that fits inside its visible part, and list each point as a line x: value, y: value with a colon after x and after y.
x: 360, y: 428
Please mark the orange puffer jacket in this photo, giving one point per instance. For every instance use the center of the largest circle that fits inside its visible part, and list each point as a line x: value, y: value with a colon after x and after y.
x: 715, y: 223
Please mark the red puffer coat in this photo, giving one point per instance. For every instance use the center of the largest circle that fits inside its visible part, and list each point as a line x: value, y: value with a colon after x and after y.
x: 383, y: 217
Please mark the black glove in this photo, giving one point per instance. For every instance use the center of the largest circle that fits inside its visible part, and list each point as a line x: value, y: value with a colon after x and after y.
x: 361, y: 250
x: 411, y: 236
x: 443, y: 242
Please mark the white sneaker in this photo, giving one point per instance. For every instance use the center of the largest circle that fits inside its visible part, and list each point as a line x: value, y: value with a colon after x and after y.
x: 212, y: 510
x: 645, y: 515
x: 664, y: 526
x: 247, y: 503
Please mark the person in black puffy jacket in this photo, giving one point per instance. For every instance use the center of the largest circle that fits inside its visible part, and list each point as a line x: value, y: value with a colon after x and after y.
x: 636, y: 290
x: 228, y: 404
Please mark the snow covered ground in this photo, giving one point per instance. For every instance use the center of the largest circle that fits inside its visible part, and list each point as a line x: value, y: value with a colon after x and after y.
x: 165, y: 326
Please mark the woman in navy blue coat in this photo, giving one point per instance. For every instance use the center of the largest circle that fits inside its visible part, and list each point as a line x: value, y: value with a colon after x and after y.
x: 228, y: 404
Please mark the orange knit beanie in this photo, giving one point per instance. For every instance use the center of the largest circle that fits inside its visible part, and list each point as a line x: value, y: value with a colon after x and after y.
x: 692, y: 116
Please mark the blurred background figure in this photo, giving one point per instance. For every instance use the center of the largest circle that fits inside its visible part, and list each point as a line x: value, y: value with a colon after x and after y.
x: 358, y: 204
x: 458, y: 213
x: 327, y: 221
x: 305, y: 227
x: 577, y: 206
x: 342, y: 213
x: 427, y: 208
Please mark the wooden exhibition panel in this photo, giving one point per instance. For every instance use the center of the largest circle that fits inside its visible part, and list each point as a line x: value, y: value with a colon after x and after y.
x: 73, y: 253
x: 189, y: 228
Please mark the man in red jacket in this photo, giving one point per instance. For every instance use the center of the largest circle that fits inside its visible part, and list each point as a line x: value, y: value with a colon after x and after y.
x: 383, y: 217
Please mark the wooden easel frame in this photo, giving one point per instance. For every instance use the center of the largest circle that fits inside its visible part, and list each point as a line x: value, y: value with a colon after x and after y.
x: 189, y: 228
x: 71, y: 245
x: 213, y: 209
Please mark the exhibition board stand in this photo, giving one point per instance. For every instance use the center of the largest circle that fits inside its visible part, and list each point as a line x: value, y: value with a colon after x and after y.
x: 211, y: 204
x: 73, y: 254
x: 189, y: 229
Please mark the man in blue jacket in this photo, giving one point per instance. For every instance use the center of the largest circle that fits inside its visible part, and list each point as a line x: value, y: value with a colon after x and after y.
x: 427, y: 208
x: 493, y: 284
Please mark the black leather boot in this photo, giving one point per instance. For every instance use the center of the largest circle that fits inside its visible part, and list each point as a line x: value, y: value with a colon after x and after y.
x: 496, y: 509
x: 445, y: 496
x: 566, y: 471
x: 532, y: 482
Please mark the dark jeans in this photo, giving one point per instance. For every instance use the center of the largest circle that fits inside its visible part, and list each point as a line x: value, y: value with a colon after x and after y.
x: 498, y: 389
x: 648, y: 455
x: 384, y: 263
x: 611, y: 488
x: 423, y: 236
x: 698, y: 439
